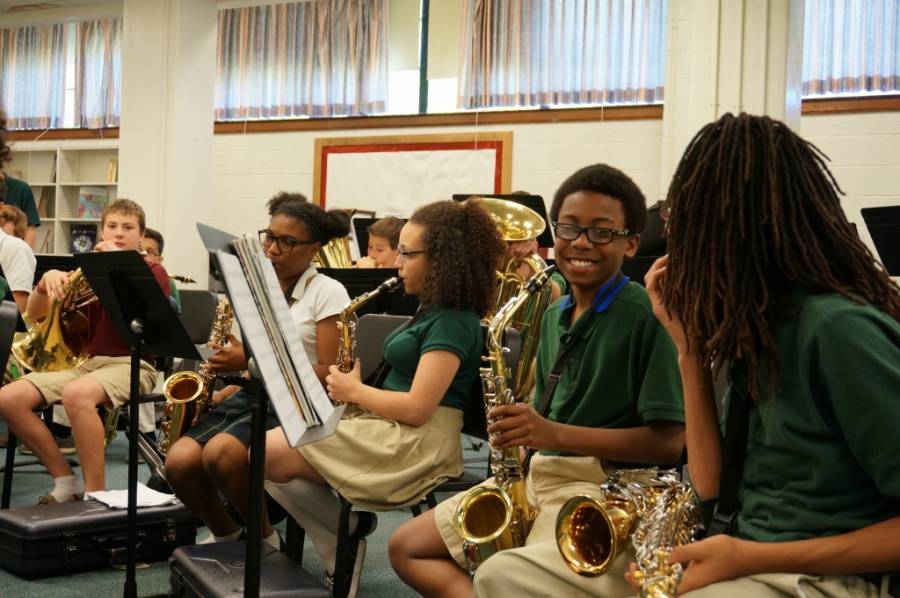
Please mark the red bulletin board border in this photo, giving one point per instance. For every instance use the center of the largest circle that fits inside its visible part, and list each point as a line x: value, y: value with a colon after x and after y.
x: 501, y: 142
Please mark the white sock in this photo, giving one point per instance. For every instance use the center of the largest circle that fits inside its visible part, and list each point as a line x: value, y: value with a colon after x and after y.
x: 274, y: 540
x: 212, y: 538
x: 317, y: 510
x: 67, y: 486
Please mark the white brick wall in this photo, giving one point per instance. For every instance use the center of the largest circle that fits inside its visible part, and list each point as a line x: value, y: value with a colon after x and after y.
x: 249, y: 169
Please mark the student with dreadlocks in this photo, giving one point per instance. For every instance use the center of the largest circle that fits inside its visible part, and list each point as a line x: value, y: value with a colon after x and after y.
x: 807, y: 324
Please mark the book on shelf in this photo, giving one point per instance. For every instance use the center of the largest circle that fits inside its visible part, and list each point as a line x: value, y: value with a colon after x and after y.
x: 112, y: 171
x: 83, y: 237
x: 91, y: 201
x: 44, y: 240
x: 53, y: 169
x: 44, y: 202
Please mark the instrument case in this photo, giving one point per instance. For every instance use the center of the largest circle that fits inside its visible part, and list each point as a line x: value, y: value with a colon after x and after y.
x: 217, y: 571
x: 80, y: 535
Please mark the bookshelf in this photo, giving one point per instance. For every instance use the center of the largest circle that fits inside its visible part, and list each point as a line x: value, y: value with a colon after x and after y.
x: 71, y: 181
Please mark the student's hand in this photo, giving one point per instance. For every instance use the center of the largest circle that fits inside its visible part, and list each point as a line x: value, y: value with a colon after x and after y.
x: 654, y: 280
x: 106, y: 246
x: 366, y: 262
x: 522, y: 248
x: 228, y: 358
x: 54, y: 283
x: 343, y: 387
x: 719, y: 558
x: 224, y: 393
x: 520, y: 425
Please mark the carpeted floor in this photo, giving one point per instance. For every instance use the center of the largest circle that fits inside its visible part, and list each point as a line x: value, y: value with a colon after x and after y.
x: 32, y: 481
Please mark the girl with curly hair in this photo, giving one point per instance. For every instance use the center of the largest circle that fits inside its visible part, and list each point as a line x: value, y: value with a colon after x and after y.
x: 398, y: 441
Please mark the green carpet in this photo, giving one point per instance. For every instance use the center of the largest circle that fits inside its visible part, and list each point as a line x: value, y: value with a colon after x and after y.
x: 30, y: 482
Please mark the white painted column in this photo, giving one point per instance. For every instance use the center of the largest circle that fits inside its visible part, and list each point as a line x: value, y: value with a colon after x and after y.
x: 729, y: 56
x: 168, y: 87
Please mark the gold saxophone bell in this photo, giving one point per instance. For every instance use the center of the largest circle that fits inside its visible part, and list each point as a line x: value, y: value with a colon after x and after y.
x: 590, y: 534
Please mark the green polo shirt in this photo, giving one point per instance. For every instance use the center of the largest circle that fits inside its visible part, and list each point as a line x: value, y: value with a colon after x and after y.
x: 623, y: 373
x: 823, y: 456
x: 18, y: 193
x: 456, y: 331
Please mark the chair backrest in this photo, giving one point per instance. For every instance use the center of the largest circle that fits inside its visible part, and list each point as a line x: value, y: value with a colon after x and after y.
x: 198, y: 310
x: 9, y: 314
x: 370, y: 334
x: 474, y: 417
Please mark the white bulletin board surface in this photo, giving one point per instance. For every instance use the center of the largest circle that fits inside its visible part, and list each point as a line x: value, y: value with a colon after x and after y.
x: 395, y: 175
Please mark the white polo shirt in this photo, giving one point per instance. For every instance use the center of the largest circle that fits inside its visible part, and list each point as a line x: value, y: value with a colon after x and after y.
x: 314, y: 298
x: 18, y: 262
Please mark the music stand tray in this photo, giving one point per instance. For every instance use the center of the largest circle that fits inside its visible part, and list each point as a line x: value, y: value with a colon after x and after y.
x: 146, y: 321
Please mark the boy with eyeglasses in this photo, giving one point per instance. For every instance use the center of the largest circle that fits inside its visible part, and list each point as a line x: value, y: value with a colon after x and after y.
x: 617, y: 404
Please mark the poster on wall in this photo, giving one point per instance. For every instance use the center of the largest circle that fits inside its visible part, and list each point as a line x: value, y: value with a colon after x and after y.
x: 393, y: 175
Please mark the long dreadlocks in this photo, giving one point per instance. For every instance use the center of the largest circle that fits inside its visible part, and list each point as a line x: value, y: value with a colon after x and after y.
x: 755, y: 213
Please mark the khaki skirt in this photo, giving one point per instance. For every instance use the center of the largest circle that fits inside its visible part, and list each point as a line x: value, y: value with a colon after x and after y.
x: 381, y: 464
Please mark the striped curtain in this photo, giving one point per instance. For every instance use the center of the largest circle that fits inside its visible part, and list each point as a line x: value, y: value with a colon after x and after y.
x: 569, y: 52
x: 98, y: 73
x: 851, y: 46
x: 32, y: 76
x: 315, y: 58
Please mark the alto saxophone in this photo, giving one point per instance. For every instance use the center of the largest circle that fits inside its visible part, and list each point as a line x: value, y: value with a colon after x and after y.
x: 672, y: 519
x: 347, y: 321
x: 493, y: 517
x: 189, y: 394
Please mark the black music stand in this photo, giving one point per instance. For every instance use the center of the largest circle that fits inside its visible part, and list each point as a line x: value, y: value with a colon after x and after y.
x: 146, y: 321
x: 884, y: 227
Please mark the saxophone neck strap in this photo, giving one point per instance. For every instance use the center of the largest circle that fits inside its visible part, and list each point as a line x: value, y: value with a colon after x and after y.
x: 570, y: 341
x: 737, y: 429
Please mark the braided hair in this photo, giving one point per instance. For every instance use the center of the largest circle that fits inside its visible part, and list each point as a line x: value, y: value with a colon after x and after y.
x: 754, y: 214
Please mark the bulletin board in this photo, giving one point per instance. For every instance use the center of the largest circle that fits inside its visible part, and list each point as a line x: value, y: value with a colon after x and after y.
x: 393, y: 175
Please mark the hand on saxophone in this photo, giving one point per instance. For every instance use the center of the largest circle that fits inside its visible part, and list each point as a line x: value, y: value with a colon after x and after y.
x: 228, y: 358
x: 343, y: 387
x: 520, y: 425
x: 718, y: 558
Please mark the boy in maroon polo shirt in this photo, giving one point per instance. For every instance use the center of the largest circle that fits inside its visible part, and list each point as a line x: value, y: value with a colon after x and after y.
x: 104, y: 379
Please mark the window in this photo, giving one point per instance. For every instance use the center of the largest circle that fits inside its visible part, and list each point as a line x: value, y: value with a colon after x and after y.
x: 851, y: 47
x: 62, y: 75
x: 302, y: 59
x: 530, y: 53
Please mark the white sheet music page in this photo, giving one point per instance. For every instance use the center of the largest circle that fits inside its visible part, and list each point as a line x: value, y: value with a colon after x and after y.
x: 315, y: 392
x: 257, y: 337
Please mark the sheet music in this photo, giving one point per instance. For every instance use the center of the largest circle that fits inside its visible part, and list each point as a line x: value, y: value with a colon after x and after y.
x: 315, y: 392
x: 293, y: 396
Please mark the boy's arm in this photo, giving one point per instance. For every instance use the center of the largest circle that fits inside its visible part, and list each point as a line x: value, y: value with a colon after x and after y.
x: 520, y: 425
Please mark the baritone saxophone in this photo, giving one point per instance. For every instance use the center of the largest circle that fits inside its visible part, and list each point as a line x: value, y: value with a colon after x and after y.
x: 493, y: 517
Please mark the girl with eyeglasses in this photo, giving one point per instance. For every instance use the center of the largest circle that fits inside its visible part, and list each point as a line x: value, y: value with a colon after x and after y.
x: 212, y: 456
x: 616, y: 404
x: 400, y: 438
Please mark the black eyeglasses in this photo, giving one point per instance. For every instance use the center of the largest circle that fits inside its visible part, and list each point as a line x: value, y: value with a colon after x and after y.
x: 404, y: 255
x: 285, y: 244
x: 595, y: 234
